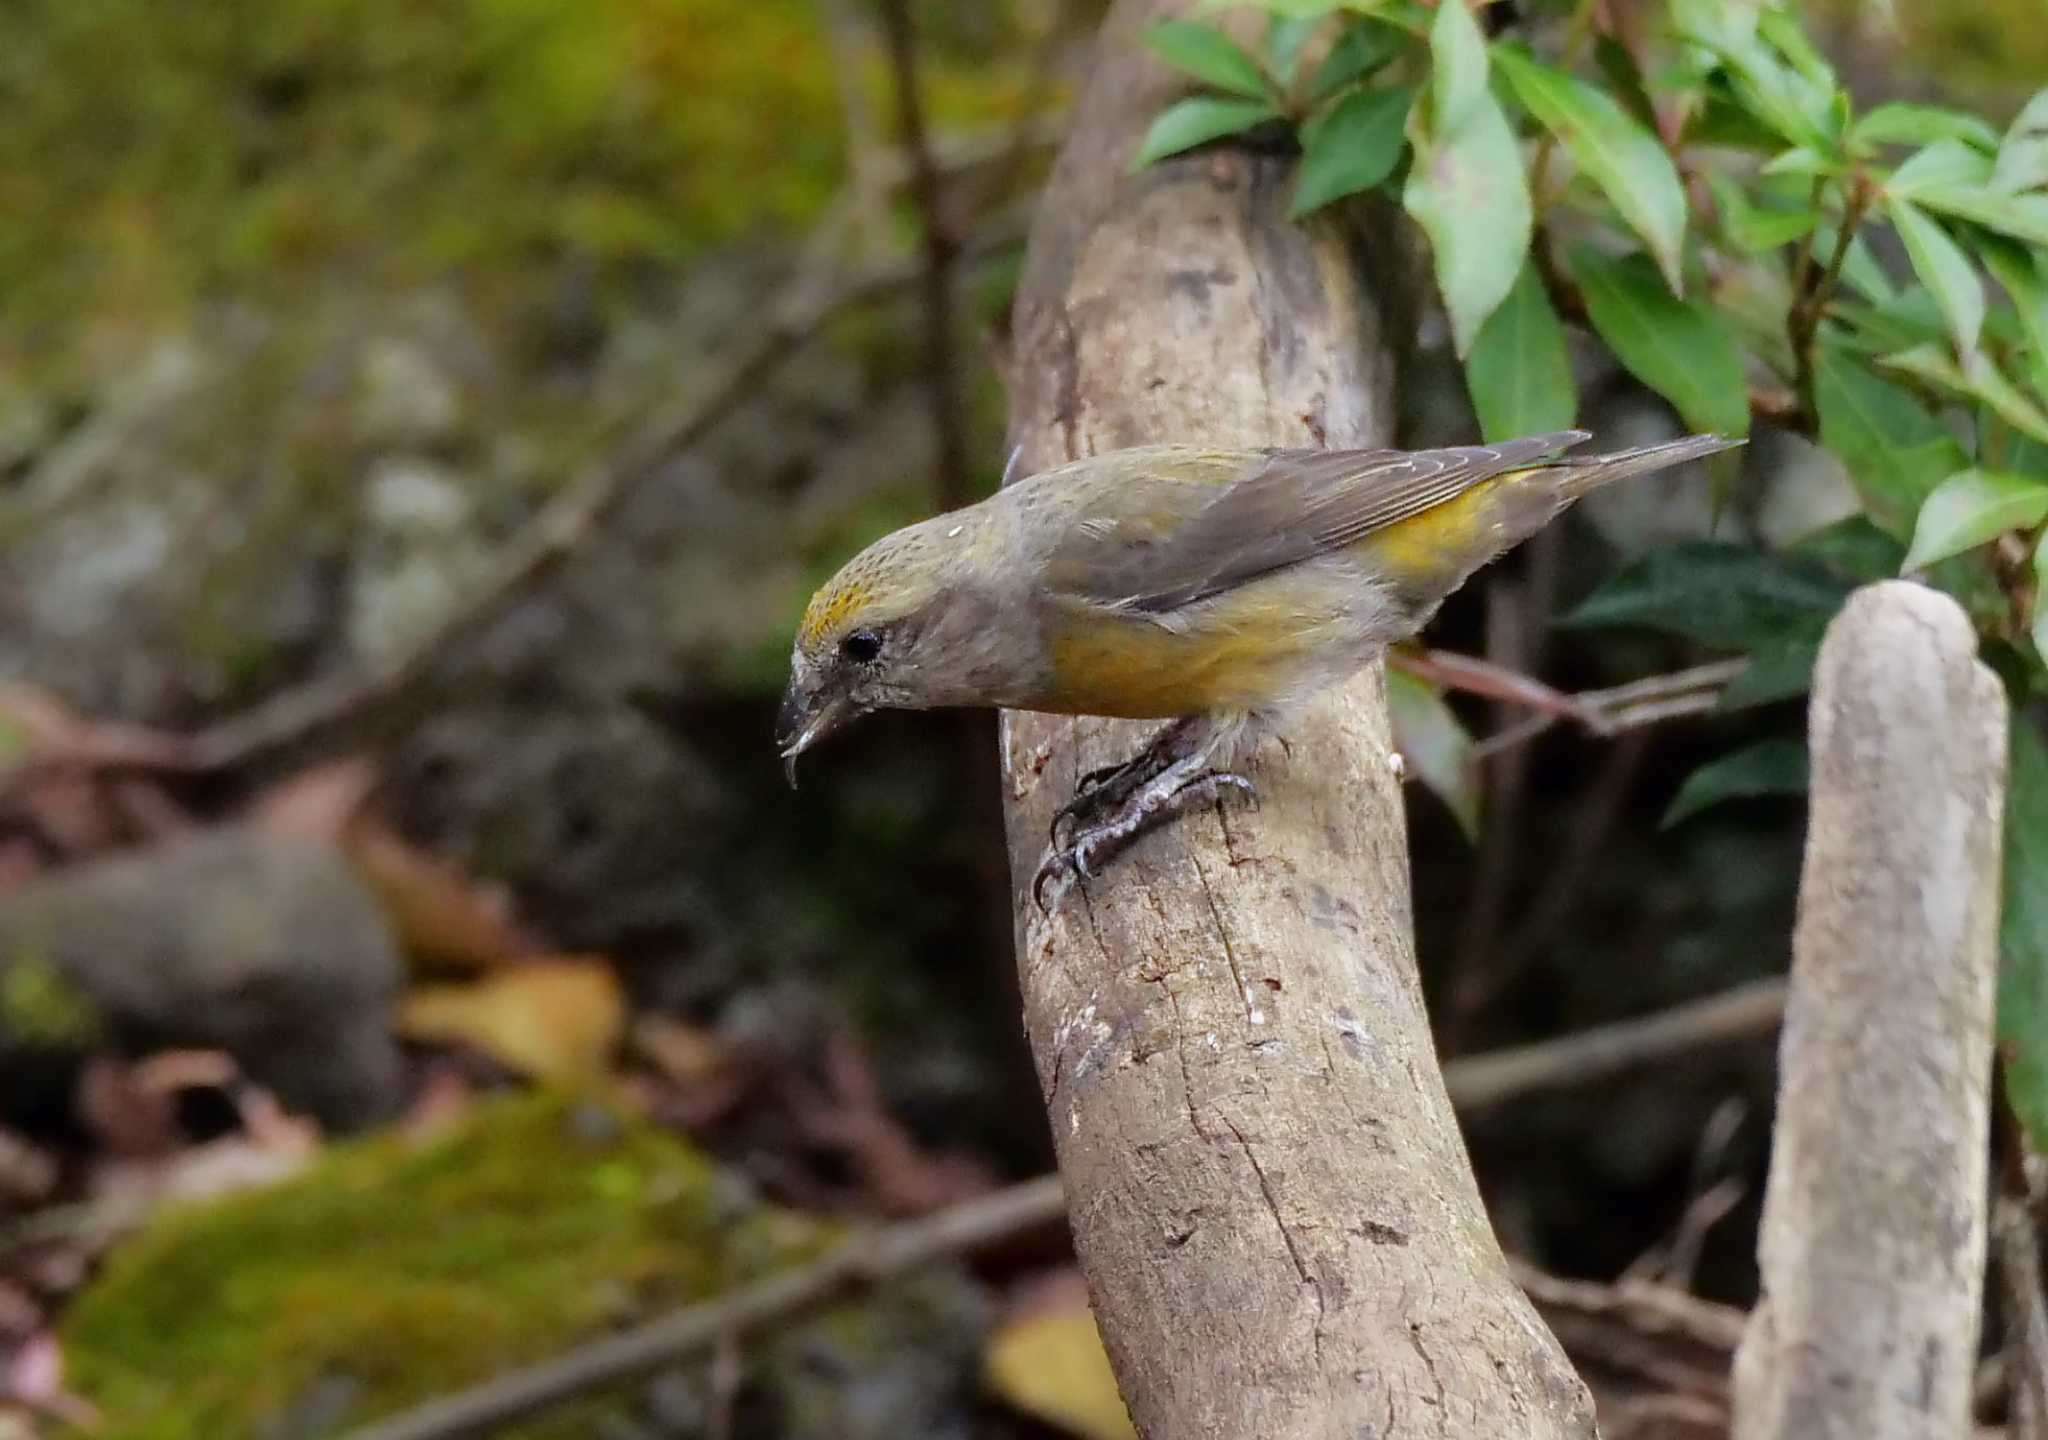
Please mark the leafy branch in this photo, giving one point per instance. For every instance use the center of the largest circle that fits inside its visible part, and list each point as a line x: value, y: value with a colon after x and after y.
x: 1752, y: 247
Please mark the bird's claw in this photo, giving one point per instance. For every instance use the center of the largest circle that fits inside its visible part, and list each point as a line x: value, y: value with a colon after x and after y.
x: 1157, y: 800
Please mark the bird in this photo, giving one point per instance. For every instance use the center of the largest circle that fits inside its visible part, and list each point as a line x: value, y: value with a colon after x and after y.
x: 1219, y: 590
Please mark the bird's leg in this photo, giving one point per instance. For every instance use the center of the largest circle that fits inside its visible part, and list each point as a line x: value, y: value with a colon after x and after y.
x: 1184, y: 783
x: 1101, y: 791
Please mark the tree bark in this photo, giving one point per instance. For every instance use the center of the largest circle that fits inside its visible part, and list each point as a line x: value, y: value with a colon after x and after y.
x: 1270, y: 1195
x: 1873, y: 1243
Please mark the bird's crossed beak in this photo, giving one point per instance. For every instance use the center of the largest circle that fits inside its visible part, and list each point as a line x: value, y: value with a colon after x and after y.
x: 806, y: 717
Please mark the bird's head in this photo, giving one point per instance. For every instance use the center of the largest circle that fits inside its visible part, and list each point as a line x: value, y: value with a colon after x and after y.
x: 872, y: 638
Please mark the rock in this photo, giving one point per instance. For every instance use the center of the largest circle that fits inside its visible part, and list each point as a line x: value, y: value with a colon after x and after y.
x: 267, y: 948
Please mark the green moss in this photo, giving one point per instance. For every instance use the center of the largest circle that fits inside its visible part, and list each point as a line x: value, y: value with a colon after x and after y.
x: 406, y: 1268
x: 159, y: 154
x: 39, y: 1007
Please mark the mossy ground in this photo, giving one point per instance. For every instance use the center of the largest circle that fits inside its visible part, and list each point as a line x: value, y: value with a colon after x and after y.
x: 400, y: 1268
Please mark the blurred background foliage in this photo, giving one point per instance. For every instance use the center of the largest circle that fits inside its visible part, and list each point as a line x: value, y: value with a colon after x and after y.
x: 305, y: 307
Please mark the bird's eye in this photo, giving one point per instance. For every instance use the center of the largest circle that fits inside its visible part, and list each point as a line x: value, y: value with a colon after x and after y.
x: 861, y: 646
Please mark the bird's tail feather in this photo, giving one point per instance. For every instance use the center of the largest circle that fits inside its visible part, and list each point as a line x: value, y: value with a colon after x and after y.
x: 1588, y: 473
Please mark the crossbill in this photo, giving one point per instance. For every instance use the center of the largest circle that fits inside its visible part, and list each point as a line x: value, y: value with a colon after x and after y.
x: 1218, y: 589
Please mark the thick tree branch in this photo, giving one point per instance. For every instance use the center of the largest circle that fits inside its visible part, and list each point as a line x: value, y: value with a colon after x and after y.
x: 1271, y: 1198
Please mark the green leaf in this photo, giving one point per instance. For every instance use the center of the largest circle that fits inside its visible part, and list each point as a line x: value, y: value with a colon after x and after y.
x: 1754, y: 228
x: 1626, y: 160
x: 1728, y: 596
x: 1681, y: 350
x: 1436, y: 748
x: 1210, y: 56
x: 2039, y: 628
x: 1468, y: 191
x: 1970, y: 508
x: 1781, y: 29
x: 1895, y: 451
x: 1791, y: 99
x: 1854, y: 548
x: 1362, y: 50
x: 2025, y: 217
x: 1350, y: 147
x: 1945, y: 270
x: 1909, y: 319
x: 1624, y: 80
x: 1902, y: 122
x: 1285, y: 35
x: 1769, y: 767
x: 1196, y: 121
x: 1778, y: 669
x: 2023, y: 931
x: 2023, y: 155
x: 1943, y: 165
x: 1982, y: 380
x: 1457, y: 60
x: 2018, y: 273
x: 1518, y: 372
x: 1803, y: 160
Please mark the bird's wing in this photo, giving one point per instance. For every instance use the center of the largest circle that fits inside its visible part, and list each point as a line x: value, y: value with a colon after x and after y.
x: 1164, y: 543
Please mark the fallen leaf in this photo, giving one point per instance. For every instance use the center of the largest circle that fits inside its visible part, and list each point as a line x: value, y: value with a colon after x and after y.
x: 445, y: 920
x: 685, y: 1054
x: 316, y: 803
x: 555, y: 1019
x: 1047, y: 1360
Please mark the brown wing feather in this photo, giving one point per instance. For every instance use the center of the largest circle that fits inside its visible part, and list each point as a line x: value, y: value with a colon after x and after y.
x: 1296, y: 505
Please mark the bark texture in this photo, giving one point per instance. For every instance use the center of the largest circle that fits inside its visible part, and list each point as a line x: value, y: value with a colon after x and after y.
x: 1271, y: 1197
x: 1873, y: 1243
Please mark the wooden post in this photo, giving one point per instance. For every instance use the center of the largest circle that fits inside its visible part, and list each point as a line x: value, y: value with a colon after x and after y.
x: 1873, y: 1239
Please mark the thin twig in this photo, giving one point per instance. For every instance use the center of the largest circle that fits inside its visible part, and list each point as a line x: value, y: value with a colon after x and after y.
x: 1631, y: 706
x: 942, y: 370
x: 1482, y: 1082
x: 1567, y: 876
x: 326, y: 708
x: 870, y: 1260
x: 1815, y: 286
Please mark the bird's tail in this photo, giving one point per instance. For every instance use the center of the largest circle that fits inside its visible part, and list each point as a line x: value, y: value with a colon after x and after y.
x: 1585, y: 474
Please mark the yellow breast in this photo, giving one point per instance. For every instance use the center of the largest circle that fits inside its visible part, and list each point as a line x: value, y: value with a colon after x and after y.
x: 1243, y: 650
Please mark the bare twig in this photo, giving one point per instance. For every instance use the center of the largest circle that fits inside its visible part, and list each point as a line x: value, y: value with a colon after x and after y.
x: 1481, y: 1082
x: 870, y: 1260
x: 318, y: 712
x: 1816, y: 286
x: 1639, y: 703
x: 869, y: 157
x: 942, y: 370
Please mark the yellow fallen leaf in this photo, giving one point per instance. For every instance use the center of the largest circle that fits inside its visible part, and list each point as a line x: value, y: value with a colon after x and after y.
x: 1050, y: 1364
x: 554, y: 1019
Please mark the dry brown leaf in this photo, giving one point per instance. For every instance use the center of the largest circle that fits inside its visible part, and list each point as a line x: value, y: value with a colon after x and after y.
x: 1047, y: 1360
x: 555, y: 1019
x: 445, y: 920
x: 316, y: 803
x: 687, y: 1055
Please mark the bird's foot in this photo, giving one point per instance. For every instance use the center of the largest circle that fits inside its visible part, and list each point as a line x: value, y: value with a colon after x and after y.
x: 1104, y: 792
x: 1180, y: 786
